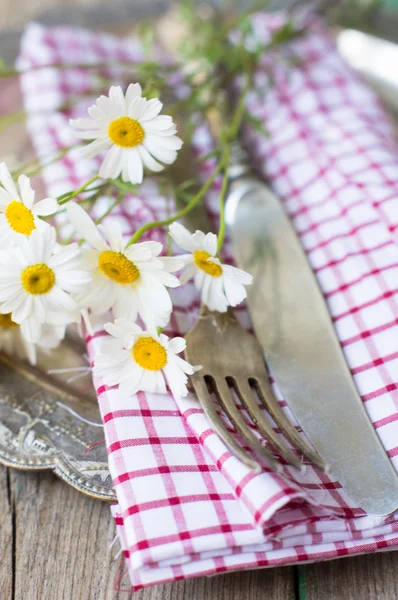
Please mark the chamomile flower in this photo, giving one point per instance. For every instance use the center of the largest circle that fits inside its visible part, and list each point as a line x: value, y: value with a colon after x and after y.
x: 12, y: 341
x: 19, y: 213
x: 36, y: 279
x: 138, y: 360
x: 220, y: 285
x: 130, y: 280
x: 131, y: 129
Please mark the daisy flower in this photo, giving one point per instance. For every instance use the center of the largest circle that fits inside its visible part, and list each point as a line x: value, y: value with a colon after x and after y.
x: 36, y: 279
x: 130, y: 280
x: 12, y: 341
x: 19, y: 213
x: 138, y: 360
x: 131, y: 129
x: 220, y: 285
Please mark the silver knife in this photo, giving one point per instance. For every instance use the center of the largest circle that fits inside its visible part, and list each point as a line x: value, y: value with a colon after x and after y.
x: 292, y: 322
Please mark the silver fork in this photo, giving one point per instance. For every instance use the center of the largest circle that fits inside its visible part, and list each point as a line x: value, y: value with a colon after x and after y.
x: 233, y: 363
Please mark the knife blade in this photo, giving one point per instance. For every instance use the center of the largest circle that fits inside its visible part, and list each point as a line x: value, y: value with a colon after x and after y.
x: 292, y: 322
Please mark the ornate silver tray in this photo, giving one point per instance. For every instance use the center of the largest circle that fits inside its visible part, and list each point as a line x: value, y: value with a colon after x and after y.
x: 48, y: 422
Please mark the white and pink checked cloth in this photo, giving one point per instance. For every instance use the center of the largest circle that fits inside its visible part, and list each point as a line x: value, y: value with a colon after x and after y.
x: 186, y: 506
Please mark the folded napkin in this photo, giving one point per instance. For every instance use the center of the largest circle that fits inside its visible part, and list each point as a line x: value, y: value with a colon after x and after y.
x: 186, y: 506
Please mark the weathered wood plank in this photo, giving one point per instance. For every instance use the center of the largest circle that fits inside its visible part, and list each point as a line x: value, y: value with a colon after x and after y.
x: 6, y: 537
x: 261, y: 584
x: 370, y: 577
x: 61, y: 540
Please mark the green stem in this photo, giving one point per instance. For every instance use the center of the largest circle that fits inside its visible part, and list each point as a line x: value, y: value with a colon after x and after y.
x: 64, y: 198
x: 224, y: 187
x: 233, y: 132
x: 195, y: 200
x: 239, y: 111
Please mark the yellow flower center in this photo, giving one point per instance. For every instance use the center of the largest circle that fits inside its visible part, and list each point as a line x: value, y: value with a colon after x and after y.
x: 117, y: 267
x: 149, y: 354
x: 20, y: 218
x: 126, y: 132
x: 6, y: 322
x: 201, y: 259
x: 38, y: 279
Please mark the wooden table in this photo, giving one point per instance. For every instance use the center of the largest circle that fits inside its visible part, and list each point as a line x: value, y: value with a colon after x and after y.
x: 54, y: 541
x: 54, y: 546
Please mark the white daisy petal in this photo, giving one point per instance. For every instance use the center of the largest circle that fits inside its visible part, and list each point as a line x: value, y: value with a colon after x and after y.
x: 234, y: 291
x: 199, y: 238
x: 160, y: 383
x: 166, y: 156
x: 109, y: 108
x: 133, y: 91
x: 172, y: 263
x: 46, y: 207
x: 159, y: 124
x: 169, y: 143
x: 23, y: 310
x: 205, y: 289
x: 148, y: 160
x: 86, y: 123
x: 85, y: 226
x: 152, y: 110
x: 87, y: 135
x: 182, y: 237
x: 166, y: 279
x: 137, y: 108
x: 210, y: 243
x: 148, y: 382
x: 7, y: 181
x: 5, y: 197
x: 176, y: 380
x: 117, y: 98
x: 143, y: 251
x: 238, y: 275
x: 185, y: 366
x: 111, y: 165
x: 177, y: 345
x: 124, y: 304
x: 31, y: 330
x: 94, y: 148
x: 135, y: 166
x: 113, y: 234
x: 120, y: 327
x: 199, y: 279
x: 187, y: 274
x: 216, y: 299
x: 27, y: 193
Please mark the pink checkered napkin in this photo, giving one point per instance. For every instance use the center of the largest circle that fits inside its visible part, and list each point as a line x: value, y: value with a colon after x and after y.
x: 186, y: 506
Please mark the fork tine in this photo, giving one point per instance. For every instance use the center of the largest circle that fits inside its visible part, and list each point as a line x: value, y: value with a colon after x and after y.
x: 249, y: 401
x: 226, y: 400
x: 206, y: 403
x: 270, y: 402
